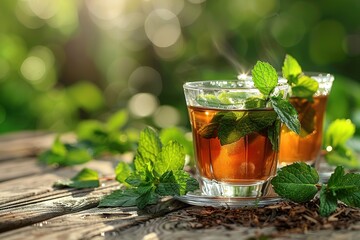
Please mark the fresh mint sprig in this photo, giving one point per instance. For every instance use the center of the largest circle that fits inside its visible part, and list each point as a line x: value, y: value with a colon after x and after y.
x: 335, y: 141
x: 230, y: 126
x: 302, y: 86
x: 157, y: 171
x: 299, y: 183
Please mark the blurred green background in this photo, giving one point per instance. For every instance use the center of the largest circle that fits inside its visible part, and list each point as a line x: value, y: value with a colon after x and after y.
x: 62, y: 61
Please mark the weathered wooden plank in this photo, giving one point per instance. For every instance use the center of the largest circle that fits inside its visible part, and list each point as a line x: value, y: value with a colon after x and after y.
x: 26, y: 213
x: 25, y: 144
x: 92, y: 223
x: 21, y: 167
x: 31, y: 186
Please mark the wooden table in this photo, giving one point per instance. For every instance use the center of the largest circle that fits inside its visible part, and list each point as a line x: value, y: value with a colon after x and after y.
x: 30, y: 208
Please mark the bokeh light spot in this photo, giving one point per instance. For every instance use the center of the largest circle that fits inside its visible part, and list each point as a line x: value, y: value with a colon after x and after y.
x: 145, y: 79
x: 142, y: 104
x: 162, y: 27
x: 33, y: 68
x: 166, y: 116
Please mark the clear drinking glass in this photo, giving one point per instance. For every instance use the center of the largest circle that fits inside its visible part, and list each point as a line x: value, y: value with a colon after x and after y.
x: 306, y: 147
x: 233, y: 137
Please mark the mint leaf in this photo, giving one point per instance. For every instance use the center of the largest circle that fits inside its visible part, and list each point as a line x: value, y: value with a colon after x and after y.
x: 291, y: 69
x: 158, y: 172
x: 148, y: 196
x: 305, y: 87
x: 168, y: 185
x: 64, y: 154
x: 336, y: 137
x: 274, y: 135
x: 185, y: 182
x: 179, y: 135
x: 339, y: 132
x: 328, y: 202
x: 86, y: 178
x: 117, y: 120
x: 254, y: 102
x: 286, y: 113
x: 296, y: 182
x: 208, y: 100
x: 148, y: 149
x: 120, y: 198
x: 171, y: 157
x: 345, y: 186
x: 123, y: 171
x: 306, y: 115
x: 265, y: 77
x: 234, y: 126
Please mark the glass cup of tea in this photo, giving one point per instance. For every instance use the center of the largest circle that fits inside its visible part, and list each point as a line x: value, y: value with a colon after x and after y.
x: 234, y: 132
x: 306, y: 147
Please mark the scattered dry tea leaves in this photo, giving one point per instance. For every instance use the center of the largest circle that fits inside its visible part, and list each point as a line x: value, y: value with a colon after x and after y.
x: 286, y: 217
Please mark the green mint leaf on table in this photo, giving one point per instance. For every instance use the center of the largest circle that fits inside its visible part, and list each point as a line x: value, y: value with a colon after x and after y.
x: 64, y: 154
x: 299, y: 183
x: 291, y: 69
x: 158, y: 171
x: 328, y: 202
x: 346, y: 187
x: 86, y: 178
x: 336, y: 137
x: 287, y: 113
x: 123, y: 171
x: 296, y: 182
x: 171, y: 158
x: 341, y: 186
x: 148, y: 149
x: 265, y: 77
x: 125, y: 198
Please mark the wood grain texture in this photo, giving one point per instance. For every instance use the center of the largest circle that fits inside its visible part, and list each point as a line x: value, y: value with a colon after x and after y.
x: 92, y: 223
x: 40, y: 183
x: 21, y: 167
x: 46, y: 206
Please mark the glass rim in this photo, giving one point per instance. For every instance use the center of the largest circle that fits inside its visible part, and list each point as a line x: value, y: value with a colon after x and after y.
x: 320, y: 77
x: 205, y: 84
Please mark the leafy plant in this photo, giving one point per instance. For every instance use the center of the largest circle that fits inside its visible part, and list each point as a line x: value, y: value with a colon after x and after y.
x: 157, y: 171
x: 337, y: 151
x: 298, y: 182
x: 94, y: 138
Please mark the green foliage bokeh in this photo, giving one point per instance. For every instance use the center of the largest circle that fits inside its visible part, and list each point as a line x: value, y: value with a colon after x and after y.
x: 65, y: 61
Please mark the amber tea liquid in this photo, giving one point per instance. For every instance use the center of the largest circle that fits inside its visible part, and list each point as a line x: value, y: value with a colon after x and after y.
x: 248, y: 161
x: 294, y: 148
